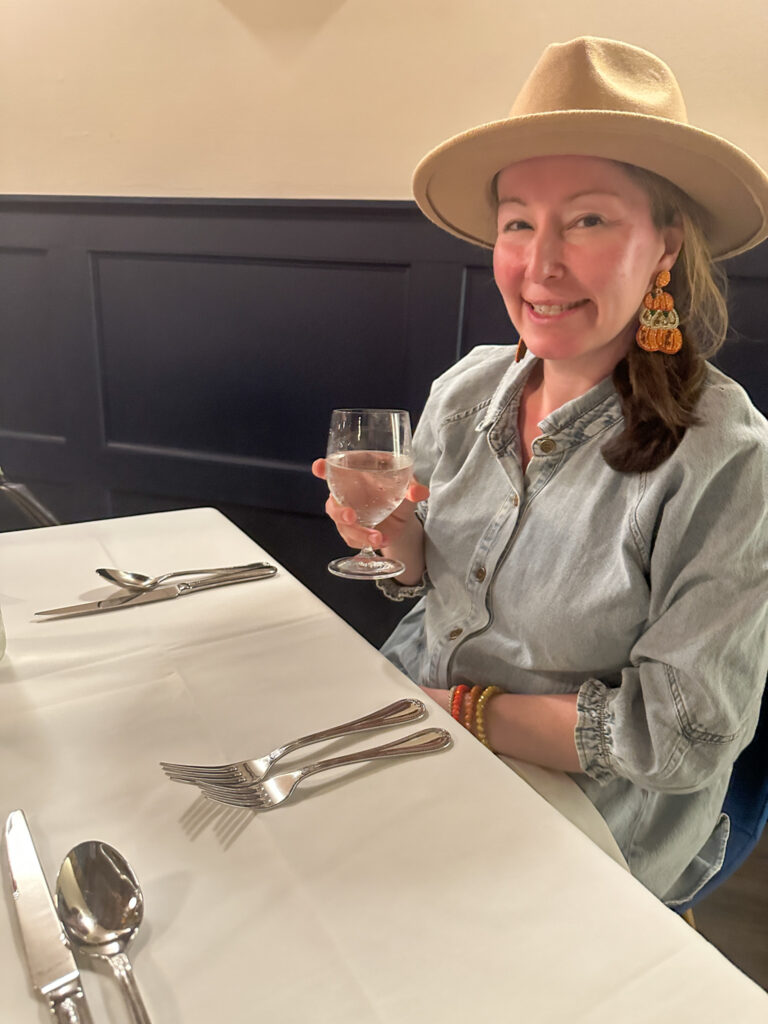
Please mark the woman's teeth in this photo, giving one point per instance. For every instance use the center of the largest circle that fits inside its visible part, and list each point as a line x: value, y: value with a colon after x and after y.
x: 555, y: 310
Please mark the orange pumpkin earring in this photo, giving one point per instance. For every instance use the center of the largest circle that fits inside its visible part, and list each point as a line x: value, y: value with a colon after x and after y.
x: 659, y: 323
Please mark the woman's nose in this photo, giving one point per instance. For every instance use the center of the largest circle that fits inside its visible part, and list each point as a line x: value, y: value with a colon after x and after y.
x: 545, y: 255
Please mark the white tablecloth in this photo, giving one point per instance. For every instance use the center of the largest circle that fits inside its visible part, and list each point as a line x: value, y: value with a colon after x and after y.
x: 431, y: 889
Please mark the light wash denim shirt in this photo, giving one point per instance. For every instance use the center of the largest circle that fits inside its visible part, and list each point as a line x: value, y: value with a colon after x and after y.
x: 645, y: 593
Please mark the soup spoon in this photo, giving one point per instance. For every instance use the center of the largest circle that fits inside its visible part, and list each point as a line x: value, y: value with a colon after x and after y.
x: 101, y: 906
x: 138, y: 581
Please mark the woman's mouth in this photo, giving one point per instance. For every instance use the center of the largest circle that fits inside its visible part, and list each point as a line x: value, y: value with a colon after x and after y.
x: 550, y: 310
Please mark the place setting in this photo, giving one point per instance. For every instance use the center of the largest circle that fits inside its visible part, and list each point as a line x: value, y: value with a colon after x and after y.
x: 97, y: 906
x: 95, y: 914
x: 136, y: 588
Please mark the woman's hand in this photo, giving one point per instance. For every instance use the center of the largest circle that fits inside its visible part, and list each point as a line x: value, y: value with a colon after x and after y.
x: 441, y: 697
x: 400, y: 536
x: 388, y: 531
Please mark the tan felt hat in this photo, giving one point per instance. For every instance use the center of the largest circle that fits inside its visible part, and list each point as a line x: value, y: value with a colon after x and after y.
x: 597, y: 97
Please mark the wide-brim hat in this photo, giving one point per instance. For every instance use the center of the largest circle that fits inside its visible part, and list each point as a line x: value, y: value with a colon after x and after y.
x: 597, y: 97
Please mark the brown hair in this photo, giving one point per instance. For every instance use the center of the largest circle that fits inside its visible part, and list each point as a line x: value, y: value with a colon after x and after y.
x: 658, y: 392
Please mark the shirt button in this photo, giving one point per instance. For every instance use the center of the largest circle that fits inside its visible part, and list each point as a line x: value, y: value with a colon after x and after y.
x: 515, y: 501
x: 547, y: 445
x: 480, y: 574
x: 455, y: 633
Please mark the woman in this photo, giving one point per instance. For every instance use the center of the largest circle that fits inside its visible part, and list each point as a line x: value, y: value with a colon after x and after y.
x: 590, y: 539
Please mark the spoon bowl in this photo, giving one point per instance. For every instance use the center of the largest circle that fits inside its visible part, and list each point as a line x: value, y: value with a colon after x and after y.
x: 138, y: 581
x: 101, y: 906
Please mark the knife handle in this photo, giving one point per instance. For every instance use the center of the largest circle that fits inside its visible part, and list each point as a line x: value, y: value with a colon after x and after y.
x: 72, y: 1009
x: 225, y: 579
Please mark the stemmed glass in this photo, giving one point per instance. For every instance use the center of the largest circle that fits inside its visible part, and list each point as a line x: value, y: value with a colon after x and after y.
x: 369, y: 462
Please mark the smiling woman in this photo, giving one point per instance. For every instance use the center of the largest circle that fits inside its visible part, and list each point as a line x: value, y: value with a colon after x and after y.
x: 591, y: 555
x: 580, y: 241
x: 577, y: 249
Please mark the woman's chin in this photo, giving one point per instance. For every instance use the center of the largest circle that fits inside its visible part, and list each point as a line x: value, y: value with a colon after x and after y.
x: 551, y: 349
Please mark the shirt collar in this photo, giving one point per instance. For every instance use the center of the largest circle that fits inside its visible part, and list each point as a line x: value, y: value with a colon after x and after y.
x: 572, y: 424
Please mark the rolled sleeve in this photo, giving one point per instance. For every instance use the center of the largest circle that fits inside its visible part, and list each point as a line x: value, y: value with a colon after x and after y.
x: 592, y: 733
x: 640, y: 731
x: 395, y: 591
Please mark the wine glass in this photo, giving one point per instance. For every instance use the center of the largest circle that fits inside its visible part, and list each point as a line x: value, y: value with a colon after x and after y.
x: 369, y: 462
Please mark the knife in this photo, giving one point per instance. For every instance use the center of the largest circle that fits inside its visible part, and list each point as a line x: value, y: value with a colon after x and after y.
x: 166, y: 593
x: 52, y: 966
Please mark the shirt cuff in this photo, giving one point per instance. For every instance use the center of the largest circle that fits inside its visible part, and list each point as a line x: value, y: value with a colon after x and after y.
x: 400, y: 592
x: 593, y: 731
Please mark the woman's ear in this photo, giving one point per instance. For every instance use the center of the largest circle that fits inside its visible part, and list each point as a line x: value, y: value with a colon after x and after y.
x: 673, y: 243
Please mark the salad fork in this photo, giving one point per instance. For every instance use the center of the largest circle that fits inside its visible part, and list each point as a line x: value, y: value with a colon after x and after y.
x: 256, y: 769
x: 275, y: 790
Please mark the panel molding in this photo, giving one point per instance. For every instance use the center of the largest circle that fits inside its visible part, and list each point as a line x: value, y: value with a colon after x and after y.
x: 444, y: 304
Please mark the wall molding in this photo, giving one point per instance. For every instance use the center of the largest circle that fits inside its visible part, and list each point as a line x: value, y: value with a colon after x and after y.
x: 195, y: 347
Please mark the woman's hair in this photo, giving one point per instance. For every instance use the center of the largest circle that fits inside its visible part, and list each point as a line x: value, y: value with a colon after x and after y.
x: 658, y: 392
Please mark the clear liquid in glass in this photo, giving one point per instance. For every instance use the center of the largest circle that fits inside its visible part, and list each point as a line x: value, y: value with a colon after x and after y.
x: 372, y: 483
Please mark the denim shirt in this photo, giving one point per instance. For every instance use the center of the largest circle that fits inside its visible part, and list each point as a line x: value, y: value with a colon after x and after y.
x: 645, y: 593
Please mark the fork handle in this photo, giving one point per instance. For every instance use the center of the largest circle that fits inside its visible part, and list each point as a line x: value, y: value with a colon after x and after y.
x: 407, y: 710
x: 426, y: 741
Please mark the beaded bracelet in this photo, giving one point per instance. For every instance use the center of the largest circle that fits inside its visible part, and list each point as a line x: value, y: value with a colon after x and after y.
x: 457, y: 698
x: 470, y: 705
x: 485, y: 696
x: 451, y: 695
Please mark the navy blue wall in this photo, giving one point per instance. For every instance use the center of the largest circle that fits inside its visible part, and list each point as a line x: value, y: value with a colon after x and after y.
x: 195, y: 348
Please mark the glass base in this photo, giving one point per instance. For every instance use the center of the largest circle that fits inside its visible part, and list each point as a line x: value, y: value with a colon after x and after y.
x: 365, y: 567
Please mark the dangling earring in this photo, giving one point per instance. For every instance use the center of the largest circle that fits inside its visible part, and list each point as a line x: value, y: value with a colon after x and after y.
x: 522, y: 348
x: 659, y: 322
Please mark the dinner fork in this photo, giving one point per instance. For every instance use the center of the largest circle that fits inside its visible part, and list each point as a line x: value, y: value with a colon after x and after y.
x: 275, y: 790
x: 256, y: 769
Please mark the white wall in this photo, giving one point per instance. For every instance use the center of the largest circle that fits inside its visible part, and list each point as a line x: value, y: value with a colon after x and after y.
x: 318, y: 98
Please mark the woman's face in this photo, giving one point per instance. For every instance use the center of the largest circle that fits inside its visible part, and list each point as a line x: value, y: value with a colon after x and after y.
x: 575, y: 253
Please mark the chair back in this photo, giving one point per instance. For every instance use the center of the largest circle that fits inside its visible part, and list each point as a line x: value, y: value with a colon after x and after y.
x: 23, y: 501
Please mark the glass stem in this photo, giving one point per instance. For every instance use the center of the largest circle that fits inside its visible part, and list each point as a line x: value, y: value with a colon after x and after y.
x: 367, y: 552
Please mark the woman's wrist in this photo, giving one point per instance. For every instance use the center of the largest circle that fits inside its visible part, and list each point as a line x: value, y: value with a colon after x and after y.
x: 409, y: 549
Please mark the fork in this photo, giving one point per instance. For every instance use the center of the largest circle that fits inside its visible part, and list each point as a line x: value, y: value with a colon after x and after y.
x: 263, y: 796
x: 256, y: 769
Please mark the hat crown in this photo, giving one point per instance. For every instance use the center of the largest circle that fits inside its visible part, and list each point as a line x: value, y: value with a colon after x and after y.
x: 601, y: 74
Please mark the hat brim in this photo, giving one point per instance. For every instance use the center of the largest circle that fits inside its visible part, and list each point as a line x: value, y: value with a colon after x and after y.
x: 453, y: 185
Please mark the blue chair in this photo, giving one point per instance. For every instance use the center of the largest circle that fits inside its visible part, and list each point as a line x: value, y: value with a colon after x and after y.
x: 746, y: 804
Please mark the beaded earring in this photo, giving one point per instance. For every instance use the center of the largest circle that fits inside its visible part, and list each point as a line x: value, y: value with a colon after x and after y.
x: 659, y: 323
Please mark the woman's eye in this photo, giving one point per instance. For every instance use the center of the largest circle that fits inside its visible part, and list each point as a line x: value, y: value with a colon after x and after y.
x: 591, y: 220
x: 515, y: 225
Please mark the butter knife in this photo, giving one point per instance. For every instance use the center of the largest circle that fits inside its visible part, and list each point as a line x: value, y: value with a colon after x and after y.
x: 52, y: 966
x: 166, y: 593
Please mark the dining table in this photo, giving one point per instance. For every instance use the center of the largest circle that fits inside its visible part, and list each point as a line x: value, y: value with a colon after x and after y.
x: 447, y: 887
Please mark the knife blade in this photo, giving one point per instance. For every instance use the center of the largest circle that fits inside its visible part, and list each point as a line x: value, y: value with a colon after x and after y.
x: 52, y: 966
x: 165, y: 593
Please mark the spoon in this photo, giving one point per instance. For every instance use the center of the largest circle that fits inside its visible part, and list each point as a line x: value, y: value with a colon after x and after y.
x: 101, y: 906
x: 138, y: 581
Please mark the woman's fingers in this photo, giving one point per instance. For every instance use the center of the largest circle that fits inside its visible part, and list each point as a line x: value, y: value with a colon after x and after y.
x: 318, y: 468
x: 416, y: 492
x: 346, y: 523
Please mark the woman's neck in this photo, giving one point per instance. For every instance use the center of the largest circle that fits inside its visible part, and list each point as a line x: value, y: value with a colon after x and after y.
x: 550, y: 384
x: 557, y: 385
x: 553, y: 382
